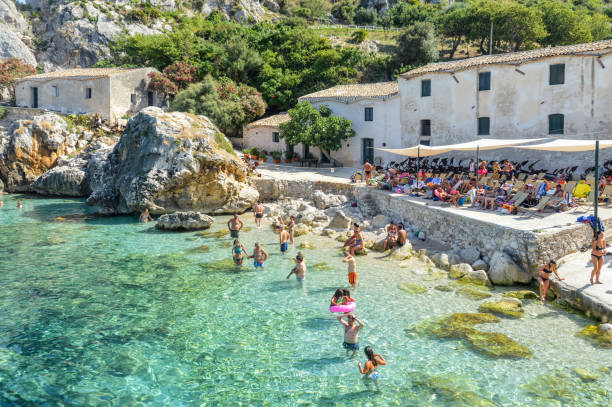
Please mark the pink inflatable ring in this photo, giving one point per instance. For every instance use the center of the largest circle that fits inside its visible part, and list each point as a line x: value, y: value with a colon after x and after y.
x: 343, y: 307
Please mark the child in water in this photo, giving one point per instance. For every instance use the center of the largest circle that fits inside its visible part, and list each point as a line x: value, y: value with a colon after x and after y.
x: 374, y: 360
x: 337, y: 298
x: 346, y: 297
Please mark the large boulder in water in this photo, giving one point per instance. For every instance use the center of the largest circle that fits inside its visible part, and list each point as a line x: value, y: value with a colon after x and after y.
x: 171, y: 162
x: 184, y: 221
x: 504, y: 271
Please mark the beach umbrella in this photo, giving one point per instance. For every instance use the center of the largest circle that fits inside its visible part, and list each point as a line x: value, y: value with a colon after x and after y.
x: 565, y: 145
x: 417, y: 151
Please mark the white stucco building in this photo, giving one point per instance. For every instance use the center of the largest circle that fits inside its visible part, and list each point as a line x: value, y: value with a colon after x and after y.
x: 111, y: 92
x: 373, y: 109
x: 561, y: 91
x: 263, y: 134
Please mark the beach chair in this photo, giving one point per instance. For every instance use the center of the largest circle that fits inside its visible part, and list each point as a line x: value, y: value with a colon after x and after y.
x: 541, y: 175
x: 569, y: 187
x: 522, y: 177
x: 518, y: 185
x: 536, y: 209
x: 588, y: 203
x: 607, y: 193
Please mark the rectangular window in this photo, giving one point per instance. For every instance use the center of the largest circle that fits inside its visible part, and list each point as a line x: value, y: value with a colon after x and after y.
x: 133, y: 98
x: 88, y: 93
x: 425, y: 87
x: 484, y: 81
x: 54, y: 91
x: 555, y: 124
x: 275, y: 137
x: 483, y: 126
x: 557, y: 74
x: 425, y: 128
x: 369, y: 114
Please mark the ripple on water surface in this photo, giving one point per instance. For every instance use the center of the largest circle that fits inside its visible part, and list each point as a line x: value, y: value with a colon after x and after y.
x: 105, y: 311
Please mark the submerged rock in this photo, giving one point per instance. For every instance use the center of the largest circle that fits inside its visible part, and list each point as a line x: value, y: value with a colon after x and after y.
x: 561, y: 388
x: 322, y: 266
x: 600, y: 337
x: 173, y: 162
x: 473, y: 294
x: 184, y: 221
x: 460, y: 270
x: 214, y: 235
x: 586, y: 375
x: 411, y: 288
x: 497, y: 345
x: 449, y: 390
x: 521, y: 295
x: 200, y: 249
x: 305, y: 245
x: 505, y: 308
x: 301, y: 230
x: 443, y: 288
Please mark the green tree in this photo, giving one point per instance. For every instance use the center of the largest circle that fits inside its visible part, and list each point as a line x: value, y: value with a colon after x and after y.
x: 345, y: 10
x: 404, y: 13
x: 454, y: 25
x: 563, y: 24
x: 317, y: 128
x: 417, y: 45
x: 365, y: 16
x: 228, y: 105
x: 518, y: 24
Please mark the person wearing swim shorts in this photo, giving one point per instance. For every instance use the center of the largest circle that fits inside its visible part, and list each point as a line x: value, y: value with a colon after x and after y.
x: 238, y: 252
x: 544, y: 278
x: 259, y: 256
x: 300, y: 268
x: 598, y: 252
x: 283, y: 239
x: 374, y: 360
x: 401, y: 235
x: 258, y: 210
x: 352, y: 269
x: 234, y: 225
x: 351, y: 332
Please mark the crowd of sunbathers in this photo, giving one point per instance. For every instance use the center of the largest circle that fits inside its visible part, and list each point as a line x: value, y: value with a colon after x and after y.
x: 489, y: 186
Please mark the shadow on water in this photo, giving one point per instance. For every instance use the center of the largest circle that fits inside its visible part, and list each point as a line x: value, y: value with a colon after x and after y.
x: 356, y: 396
x: 317, y: 364
x: 318, y: 324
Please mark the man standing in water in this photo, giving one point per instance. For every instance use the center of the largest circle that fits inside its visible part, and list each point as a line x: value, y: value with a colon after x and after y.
x: 284, y: 239
x: 351, y: 332
x: 259, y: 256
x: 234, y: 225
x: 300, y: 268
x: 258, y: 210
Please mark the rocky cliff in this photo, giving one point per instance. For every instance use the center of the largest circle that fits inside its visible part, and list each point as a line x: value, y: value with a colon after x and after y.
x: 172, y: 162
x: 67, y: 33
x: 32, y: 147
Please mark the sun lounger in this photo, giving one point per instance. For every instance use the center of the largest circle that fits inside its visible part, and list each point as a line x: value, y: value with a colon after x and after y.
x: 540, y: 206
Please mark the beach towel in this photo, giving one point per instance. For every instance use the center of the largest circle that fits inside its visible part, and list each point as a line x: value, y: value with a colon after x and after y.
x: 582, y: 190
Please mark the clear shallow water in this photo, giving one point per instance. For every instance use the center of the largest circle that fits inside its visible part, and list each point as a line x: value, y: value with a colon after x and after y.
x: 109, y: 312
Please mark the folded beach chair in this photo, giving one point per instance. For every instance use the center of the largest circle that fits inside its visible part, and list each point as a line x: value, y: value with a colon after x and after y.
x: 535, y: 210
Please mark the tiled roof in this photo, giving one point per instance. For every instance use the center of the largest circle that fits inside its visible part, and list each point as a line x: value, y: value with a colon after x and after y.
x: 81, y: 73
x: 349, y: 93
x: 270, y: 121
x: 513, y: 58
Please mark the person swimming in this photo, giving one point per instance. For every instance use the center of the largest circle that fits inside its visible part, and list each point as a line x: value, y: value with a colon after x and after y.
x: 337, y: 298
x: 346, y: 296
x: 259, y: 256
x: 145, y: 216
x: 19, y: 205
x: 374, y: 360
x: 300, y: 268
x: 238, y: 252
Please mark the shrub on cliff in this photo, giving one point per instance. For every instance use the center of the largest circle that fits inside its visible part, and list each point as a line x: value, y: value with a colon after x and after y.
x: 11, y: 70
x: 229, y: 105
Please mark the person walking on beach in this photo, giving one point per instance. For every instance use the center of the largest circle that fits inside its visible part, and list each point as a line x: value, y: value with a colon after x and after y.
x: 258, y: 210
x: 300, y: 268
x: 259, y: 256
x: 352, y: 269
x: 145, y: 216
x: 238, y: 252
x: 374, y: 360
x: 351, y: 332
x: 544, y: 278
x: 283, y: 239
x: 598, y: 253
x: 234, y: 225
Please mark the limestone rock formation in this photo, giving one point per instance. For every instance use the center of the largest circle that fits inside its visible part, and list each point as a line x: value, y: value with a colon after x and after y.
x: 184, y: 221
x: 324, y: 201
x: 79, y: 175
x: 11, y: 46
x: 171, y: 162
x: 32, y: 148
x: 504, y: 271
x: 340, y: 221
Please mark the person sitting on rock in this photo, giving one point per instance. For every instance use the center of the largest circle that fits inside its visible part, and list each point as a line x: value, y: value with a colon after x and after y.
x: 402, y: 236
x: 145, y: 216
x: 391, y: 237
x: 355, y: 242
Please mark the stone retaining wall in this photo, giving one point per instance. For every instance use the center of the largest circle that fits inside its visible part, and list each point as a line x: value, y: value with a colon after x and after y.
x: 273, y: 189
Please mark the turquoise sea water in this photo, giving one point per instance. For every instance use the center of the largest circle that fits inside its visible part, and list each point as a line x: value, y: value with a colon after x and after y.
x: 108, y: 312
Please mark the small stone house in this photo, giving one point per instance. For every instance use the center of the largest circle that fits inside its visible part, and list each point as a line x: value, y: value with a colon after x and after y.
x: 111, y: 92
x: 263, y: 134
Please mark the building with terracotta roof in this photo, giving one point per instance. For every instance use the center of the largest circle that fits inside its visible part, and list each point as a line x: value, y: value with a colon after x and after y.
x: 263, y: 133
x: 110, y: 92
x: 561, y: 91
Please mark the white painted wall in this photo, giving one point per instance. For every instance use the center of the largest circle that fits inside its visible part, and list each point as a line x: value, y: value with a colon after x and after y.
x: 518, y: 105
x: 385, y: 129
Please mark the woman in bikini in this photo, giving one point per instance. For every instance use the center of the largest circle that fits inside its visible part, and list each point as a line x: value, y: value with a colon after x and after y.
x: 598, y: 251
x: 374, y: 360
x: 355, y: 242
x: 238, y: 253
x: 544, y: 279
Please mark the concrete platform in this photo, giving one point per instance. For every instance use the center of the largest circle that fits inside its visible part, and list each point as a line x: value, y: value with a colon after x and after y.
x: 576, y: 289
